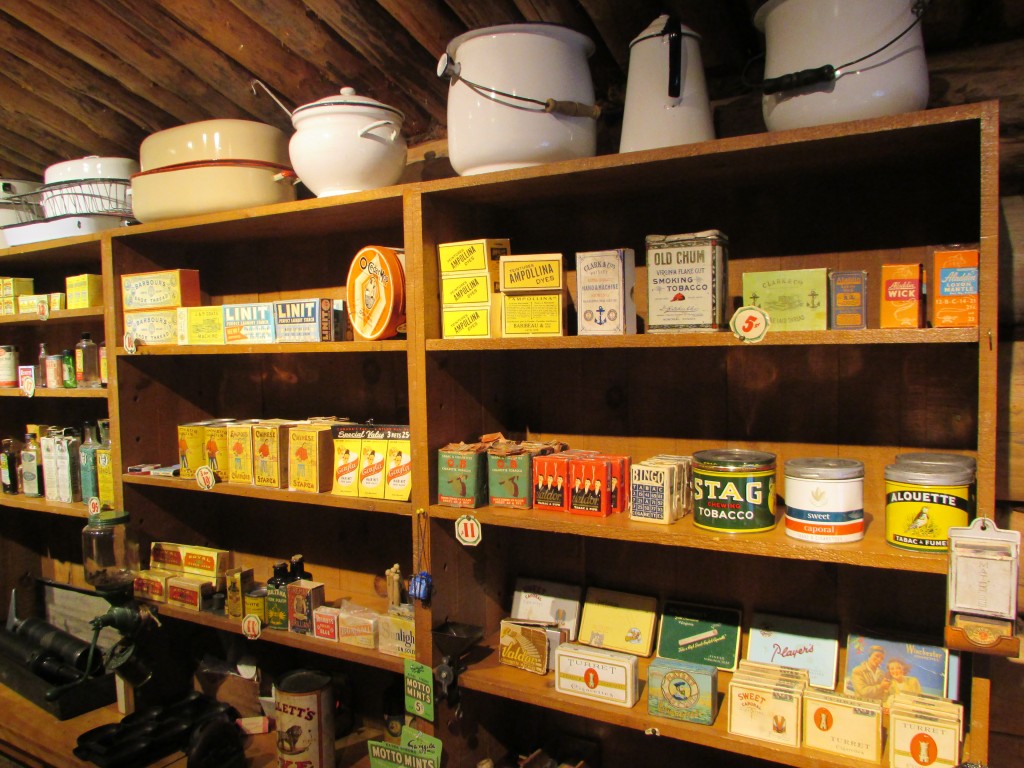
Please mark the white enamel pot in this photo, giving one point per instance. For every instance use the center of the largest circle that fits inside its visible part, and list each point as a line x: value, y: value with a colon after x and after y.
x: 666, y: 94
x: 502, y: 80
x: 347, y: 143
x: 220, y: 139
x: 807, y: 34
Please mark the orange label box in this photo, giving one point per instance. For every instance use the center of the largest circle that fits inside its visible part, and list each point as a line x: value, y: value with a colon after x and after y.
x: 901, y: 305
x: 954, y: 293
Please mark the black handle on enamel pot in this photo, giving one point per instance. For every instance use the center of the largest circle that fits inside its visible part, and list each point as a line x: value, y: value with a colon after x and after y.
x: 825, y: 74
x: 675, y: 56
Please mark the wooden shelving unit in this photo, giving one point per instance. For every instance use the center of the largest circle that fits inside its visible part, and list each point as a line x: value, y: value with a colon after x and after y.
x: 853, y: 195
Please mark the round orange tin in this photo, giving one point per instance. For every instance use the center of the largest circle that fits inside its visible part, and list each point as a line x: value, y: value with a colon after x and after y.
x: 376, y: 293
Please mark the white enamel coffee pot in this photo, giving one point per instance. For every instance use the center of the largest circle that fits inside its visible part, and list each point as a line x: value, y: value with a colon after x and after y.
x: 666, y: 95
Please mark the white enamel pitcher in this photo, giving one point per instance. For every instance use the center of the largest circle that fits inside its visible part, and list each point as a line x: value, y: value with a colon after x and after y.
x: 666, y: 95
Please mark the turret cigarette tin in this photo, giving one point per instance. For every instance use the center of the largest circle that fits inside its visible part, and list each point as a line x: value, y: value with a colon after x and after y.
x: 682, y: 691
x: 597, y: 674
x: 843, y: 726
x: 605, y: 286
x: 923, y: 501
x: 686, y: 281
x: 825, y: 500
x: 734, y: 490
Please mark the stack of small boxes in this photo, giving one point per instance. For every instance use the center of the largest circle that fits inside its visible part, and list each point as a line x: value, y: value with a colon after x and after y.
x: 660, y: 489
x: 765, y: 702
x: 469, y: 279
x: 372, y: 461
x: 533, y: 295
x: 18, y: 296
x: 151, y: 300
x: 183, y: 575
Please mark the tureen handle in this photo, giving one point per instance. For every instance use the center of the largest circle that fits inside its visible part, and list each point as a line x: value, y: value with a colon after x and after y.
x: 379, y: 124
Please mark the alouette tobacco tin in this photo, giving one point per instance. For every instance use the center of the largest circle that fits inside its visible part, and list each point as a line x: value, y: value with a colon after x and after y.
x: 686, y: 281
x: 923, y: 501
x: 734, y: 490
x: 825, y: 500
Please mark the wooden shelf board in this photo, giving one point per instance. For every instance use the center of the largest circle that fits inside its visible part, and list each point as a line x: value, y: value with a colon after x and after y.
x: 316, y: 645
x: 496, y: 679
x: 716, y: 339
x: 275, y: 494
x: 68, y: 250
x: 33, y: 504
x: 98, y: 393
x: 56, y: 316
x: 267, y: 349
x: 872, y: 551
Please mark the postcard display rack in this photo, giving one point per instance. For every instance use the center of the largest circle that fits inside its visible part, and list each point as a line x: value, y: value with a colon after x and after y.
x: 849, y: 196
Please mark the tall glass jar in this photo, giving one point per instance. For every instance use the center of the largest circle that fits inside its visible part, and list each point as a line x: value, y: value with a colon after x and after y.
x: 110, y: 552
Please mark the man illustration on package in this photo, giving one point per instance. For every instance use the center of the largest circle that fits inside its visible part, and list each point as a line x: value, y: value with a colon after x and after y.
x: 869, y: 679
x: 301, y: 457
x: 183, y: 452
x: 237, y: 449
x: 211, y: 454
x: 264, y: 453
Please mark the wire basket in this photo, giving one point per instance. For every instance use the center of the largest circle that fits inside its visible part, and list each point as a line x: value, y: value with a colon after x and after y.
x: 74, y: 198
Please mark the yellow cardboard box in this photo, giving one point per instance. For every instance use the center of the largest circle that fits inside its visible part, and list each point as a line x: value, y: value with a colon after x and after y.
x: 472, y: 255
x: 164, y: 289
x: 540, y: 313
x: 310, y: 453
x: 534, y: 272
x: 84, y: 291
x: 200, y: 325
x: 155, y: 327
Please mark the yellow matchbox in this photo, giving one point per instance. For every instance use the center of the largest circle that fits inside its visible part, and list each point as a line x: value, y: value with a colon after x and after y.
x: 310, y: 453
x: 472, y: 255
x: 619, y: 620
x: 160, y: 290
x: 270, y: 453
x: 84, y: 291
x: 32, y: 303
x: 155, y: 327
x: 534, y: 272
x: 540, y: 313
x: 200, y: 325
x: 205, y: 561
x: 470, y: 321
x: 466, y: 288
x: 18, y: 286
x: 240, y: 450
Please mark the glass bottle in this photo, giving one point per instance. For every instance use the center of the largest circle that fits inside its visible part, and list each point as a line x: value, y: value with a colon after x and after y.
x: 110, y: 552
x: 87, y: 463
x: 298, y: 569
x: 9, y: 467
x: 31, y: 468
x: 280, y: 577
x: 68, y: 369
x: 41, y: 367
x: 87, y: 362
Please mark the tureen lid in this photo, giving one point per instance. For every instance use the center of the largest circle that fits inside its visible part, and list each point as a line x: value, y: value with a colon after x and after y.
x: 346, y: 102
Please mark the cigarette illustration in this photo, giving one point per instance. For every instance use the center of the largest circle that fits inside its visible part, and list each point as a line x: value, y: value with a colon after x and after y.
x: 684, y: 641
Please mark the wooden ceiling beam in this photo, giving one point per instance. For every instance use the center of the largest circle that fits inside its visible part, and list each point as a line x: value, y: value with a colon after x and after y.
x: 430, y: 22
x: 618, y: 23
x: 306, y: 36
x: 185, y: 64
x: 78, y: 76
x: 26, y: 152
x: 476, y: 14
x: 131, y: 64
x: 375, y: 35
x: 20, y: 120
x: 101, y: 120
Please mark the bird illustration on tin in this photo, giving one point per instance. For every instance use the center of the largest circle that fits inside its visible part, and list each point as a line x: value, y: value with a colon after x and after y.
x: 920, y: 520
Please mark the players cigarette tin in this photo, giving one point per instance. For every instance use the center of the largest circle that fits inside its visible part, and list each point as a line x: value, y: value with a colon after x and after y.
x: 597, y: 674
x: 848, y: 299
x: 923, y: 501
x: 686, y: 281
x: 251, y: 323
x: 605, y: 286
x: 734, y: 490
x: 532, y: 272
x: 682, y: 691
